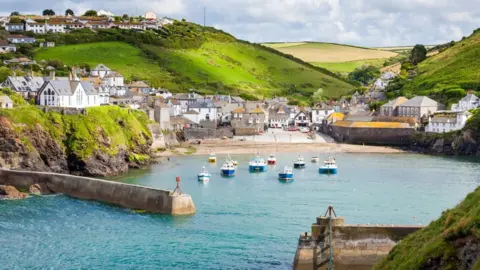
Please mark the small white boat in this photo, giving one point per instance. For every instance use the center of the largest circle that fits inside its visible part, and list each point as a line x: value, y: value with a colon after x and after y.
x: 272, y: 160
x: 286, y: 174
x: 228, y: 169
x: 315, y: 159
x: 299, y: 163
x: 204, y: 175
x: 329, y: 167
x: 257, y: 164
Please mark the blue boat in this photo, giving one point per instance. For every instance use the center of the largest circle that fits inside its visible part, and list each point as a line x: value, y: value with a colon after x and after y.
x: 228, y: 169
x: 257, y: 164
x: 299, y: 163
x: 286, y: 174
x: 204, y: 175
x: 329, y: 167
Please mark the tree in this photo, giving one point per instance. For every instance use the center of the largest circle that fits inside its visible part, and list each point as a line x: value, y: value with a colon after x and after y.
x: 125, y: 16
x: 419, y: 53
x: 48, y: 12
x: 318, y: 95
x: 90, y: 13
x: 15, y: 13
x: 364, y: 74
x: 69, y: 12
x: 4, y: 73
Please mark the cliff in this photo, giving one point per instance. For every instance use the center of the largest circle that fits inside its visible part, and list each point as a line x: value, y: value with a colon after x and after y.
x: 97, y: 141
x: 450, y: 242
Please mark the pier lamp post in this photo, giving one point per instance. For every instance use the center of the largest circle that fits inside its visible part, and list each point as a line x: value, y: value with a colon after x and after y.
x: 177, y: 189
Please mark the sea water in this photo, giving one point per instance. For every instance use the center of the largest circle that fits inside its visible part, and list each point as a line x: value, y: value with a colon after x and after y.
x: 250, y: 221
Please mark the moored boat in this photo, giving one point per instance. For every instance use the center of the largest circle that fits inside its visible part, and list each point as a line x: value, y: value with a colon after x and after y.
x: 315, y: 159
x: 272, y: 160
x: 212, y: 158
x: 235, y: 163
x: 286, y: 174
x: 228, y: 169
x: 204, y: 175
x: 257, y: 164
x: 329, y: 167
x: 299, y: 163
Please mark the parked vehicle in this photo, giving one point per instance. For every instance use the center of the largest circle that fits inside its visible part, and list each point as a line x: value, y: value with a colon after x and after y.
x: 304, y: 130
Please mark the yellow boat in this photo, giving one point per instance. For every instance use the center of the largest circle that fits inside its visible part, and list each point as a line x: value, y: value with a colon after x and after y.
x: 235, y: 163
x: 212, y: 158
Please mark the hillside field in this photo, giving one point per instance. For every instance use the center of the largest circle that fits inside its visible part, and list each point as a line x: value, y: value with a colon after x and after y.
x: 234, y: 67
x: 335, y: 57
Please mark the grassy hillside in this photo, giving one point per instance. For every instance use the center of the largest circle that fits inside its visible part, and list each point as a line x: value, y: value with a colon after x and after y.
x: 335, y: 57
x: 185, y: 56
x: 450, y: 242
x: 455, y: 68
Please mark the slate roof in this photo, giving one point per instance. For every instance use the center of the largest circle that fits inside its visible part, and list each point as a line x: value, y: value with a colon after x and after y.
x: 67, y: 88
x: 470, y: 98
x: 206, y: 103
x: 394, y: 103
x: 419, y: 101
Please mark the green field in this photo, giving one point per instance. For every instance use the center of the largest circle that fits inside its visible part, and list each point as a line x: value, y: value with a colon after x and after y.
x: 233, y: 67
x: 457, y: 67
x: 282, y: 44
x: 347, y: 67
x: 119, y: 56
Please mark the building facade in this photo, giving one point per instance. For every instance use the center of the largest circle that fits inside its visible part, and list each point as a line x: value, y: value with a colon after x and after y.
x: 447, y: 121
x: 68, y: 94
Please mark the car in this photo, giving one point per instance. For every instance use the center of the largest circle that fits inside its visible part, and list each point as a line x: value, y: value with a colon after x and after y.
x: 304, y: 130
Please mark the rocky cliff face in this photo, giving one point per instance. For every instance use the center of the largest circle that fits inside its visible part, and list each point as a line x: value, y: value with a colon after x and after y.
x: 34, y: 147
x: 466, y: 143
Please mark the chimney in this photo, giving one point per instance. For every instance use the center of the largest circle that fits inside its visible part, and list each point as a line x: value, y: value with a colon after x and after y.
x: 52, y: 75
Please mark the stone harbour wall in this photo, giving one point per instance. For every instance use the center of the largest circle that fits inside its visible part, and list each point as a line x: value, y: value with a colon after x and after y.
x: 124, y: 195
x: 380, y: 136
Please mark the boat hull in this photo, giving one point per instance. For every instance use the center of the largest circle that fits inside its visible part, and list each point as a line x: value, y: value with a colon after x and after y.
x: 211, y: 160
x: 272, y: 162
x: 285, y: 176
x: 254, y: 168
x: 327, y: 170
x: 203, y: 178
x: 299, y: 165
x: 228, y: 172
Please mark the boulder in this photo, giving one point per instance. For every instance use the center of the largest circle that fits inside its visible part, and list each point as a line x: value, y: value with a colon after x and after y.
x: 10, y: 192
x: 35, y: 189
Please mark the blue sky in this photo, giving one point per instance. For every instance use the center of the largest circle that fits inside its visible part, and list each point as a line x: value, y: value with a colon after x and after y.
x: 357, y: 22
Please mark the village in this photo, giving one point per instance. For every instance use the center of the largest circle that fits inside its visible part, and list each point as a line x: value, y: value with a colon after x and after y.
x: 224, y: 116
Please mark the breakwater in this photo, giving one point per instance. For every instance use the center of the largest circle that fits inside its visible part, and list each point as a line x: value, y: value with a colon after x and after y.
x: 124, y: 195
x: 349, y: 246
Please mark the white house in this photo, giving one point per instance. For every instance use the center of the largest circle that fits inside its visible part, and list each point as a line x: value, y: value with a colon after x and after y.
x: 302, y: 119
x: 100, y: 71
x: 186, y: 100
x: 14, y: 27
x: 150, y: 16
x: 469, y: 102
x: 279, y: 115
x: 118, y: 91
x: 6, y: 48
x: 35, y: 27
x: 193, y: 116
x: 105, y: 13
x: 164, y: 21
x: 68, y: 93
x: 205, y: 108
x: 6, y: 102
x: 175, y: 107
x: 380, y: 84
x: 162, y: 115
x: 103, y: 94
x: 165, y: 94
x: 446, y: 121
x: 55, y: 27
x: 113, y: 79
x: 320, y: 114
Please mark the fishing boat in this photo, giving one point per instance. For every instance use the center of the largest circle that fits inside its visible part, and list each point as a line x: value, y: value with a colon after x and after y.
x: 329, y: 167
x: 228, y: 169
x: 257, y: 164
x: 315, y: 159
x: 204, y: 175
x: 286, y: 174
x: 212, y: 158
x: 272, y: 160
x: 299, y: 163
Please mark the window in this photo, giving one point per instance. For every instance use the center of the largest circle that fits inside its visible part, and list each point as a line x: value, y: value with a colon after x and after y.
x: 79, y: 98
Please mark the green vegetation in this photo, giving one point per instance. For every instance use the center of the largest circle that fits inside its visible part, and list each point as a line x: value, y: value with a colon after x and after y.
x: 347, y: 67
x: 418, y: 54
x: 442, y: 244
x: 190, y: 150
x: 108, y: 129
x: 444, y: 75
x: 364, y: 74
x: 185, y: 56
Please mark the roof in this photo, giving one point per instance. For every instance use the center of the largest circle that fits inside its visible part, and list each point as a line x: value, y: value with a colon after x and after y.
x: 363, y: 118
x: 138, y: 84
x: 192, y: 112
x: 101, y: 67
x: 335, y: 116
x: 205, y: 103
x: 239, y: 110
x: 67, y: 88
x: 394, y: 103
x: 113, y: 74
x: 3, y: 42
x: 181, y: 120
x: 400, y: 119
x: 5, y: 99
x: 304, y: 112
x: 470, y: 98
x: 257, y: 110
x: 420, y: 101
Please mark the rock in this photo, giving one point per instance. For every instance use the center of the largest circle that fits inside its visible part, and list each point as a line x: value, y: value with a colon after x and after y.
x: 35, y: 189
x: 10, y: 192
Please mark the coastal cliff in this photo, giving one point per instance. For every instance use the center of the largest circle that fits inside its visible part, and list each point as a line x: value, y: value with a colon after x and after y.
x: 98, y: 141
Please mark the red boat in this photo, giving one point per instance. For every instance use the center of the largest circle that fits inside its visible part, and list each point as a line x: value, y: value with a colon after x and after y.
x: 272, y: 160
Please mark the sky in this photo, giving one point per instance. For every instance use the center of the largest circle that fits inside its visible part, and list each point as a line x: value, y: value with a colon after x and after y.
x: 372, y: 23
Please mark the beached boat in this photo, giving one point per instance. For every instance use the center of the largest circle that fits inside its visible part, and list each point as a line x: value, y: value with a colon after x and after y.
x: 228, y: 169
x: 204, y: 175
x: 286, y: 174
x: 299, y: 163
x: 329, y: 167
x: 212, y: 158
x: 272, y: 160
x: 315, y: 159
x: 257, y: 164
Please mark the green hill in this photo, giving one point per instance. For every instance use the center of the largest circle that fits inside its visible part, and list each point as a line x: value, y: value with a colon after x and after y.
x: 184, y: 56
x: 450, y: 242
x: 447, y: 75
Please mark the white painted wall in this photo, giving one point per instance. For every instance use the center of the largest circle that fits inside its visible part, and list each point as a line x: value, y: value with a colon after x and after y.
x: 321, y: 114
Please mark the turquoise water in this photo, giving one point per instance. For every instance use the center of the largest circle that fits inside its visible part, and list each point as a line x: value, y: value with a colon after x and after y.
x: 251, y: 221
